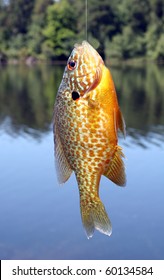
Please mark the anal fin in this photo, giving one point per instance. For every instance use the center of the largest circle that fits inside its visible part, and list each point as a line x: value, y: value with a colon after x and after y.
x: 116, y: 169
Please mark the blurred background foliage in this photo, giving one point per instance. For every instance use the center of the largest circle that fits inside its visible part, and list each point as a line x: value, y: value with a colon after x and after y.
x: 47, y: 29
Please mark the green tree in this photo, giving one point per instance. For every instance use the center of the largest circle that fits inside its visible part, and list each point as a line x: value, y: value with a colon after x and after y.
x: 60, y: 31
x: 15, y: 17
x: 123, y: 29
x: 155, y: 31
x: 130, y: 40
x: 103, y: 22
x: 19, y: 15
x: 35, y: 36
x: 3, y: 30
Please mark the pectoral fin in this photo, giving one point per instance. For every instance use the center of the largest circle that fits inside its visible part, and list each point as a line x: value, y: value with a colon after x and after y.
x: 93, y: 104
x: 116, y: 169
x: 62, y: 166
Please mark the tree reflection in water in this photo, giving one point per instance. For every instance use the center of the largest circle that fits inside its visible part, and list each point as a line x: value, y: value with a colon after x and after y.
x: 27, y: 97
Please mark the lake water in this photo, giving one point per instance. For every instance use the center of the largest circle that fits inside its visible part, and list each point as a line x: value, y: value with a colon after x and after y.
x: 40, y: 219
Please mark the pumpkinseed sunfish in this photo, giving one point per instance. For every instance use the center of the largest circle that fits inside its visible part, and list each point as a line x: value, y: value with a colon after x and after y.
x: 86, y: 120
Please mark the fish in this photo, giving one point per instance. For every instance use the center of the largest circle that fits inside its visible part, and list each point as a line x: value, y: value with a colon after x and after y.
x: 86, y: 121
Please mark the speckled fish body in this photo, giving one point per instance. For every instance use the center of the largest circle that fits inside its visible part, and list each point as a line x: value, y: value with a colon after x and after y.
x: 86, y: 120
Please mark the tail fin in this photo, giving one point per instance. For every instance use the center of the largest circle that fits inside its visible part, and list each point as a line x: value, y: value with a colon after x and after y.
x: 94, y: 216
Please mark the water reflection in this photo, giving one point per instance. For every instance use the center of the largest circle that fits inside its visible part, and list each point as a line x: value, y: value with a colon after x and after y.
x: 141, y: 95
x: 27, y: 96
x: 38, y: 219
x: 154, y: 135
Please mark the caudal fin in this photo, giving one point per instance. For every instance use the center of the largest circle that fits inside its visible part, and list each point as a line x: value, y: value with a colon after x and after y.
x: 94, y: 216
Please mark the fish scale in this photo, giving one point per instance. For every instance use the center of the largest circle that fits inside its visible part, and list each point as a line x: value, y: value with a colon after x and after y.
x: 85, y: 133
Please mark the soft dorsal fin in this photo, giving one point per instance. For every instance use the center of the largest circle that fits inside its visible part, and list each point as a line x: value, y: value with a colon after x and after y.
x: 116, y: 169
x: 62, y: 166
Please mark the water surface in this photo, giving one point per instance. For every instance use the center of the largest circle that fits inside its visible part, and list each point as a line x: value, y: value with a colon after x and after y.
x: 40, y: 219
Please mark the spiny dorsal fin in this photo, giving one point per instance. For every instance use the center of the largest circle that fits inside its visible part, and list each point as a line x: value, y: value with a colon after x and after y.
x: 121, y: 122
x: 116, y: 169
x: 62, y: 166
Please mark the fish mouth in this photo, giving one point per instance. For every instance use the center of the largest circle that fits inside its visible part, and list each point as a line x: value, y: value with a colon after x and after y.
x: 85, y: 46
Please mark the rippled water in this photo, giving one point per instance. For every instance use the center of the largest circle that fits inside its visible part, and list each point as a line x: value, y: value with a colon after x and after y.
x: 40, y: 219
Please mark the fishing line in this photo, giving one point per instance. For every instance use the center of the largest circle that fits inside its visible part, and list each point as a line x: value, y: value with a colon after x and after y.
x: 86, y: 20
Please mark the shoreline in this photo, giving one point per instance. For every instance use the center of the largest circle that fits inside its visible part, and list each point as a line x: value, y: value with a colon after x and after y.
x: 30, y: 61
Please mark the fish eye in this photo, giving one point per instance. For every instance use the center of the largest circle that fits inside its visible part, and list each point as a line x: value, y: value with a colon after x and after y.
x: 71, y: 65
